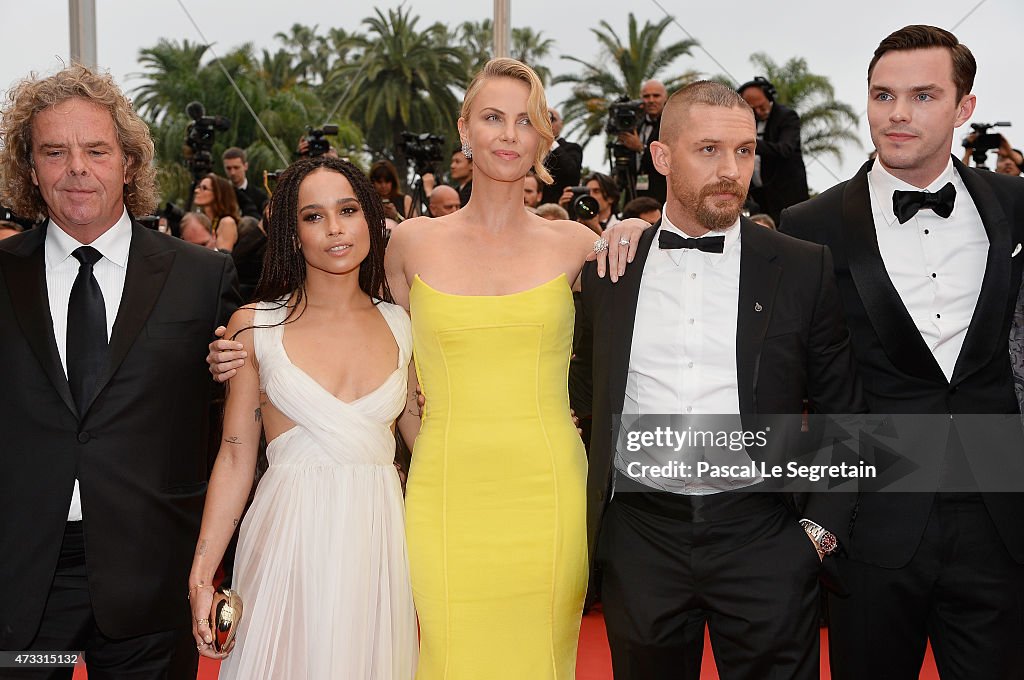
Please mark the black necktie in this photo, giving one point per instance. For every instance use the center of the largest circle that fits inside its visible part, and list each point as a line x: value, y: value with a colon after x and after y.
x: 906, y: 203
x: 708, y: 244
x: 87, y: 329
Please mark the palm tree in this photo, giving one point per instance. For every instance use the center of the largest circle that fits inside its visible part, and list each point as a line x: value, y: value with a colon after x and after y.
x: 528, y: 46
x: 402, y: 79
x: 171, y: 74
x: 620, y: 70
x: 825, y: 122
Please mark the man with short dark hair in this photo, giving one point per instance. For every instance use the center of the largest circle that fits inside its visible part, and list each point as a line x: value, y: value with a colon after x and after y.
x: 780, y: 178
x: 531, y: 191
x: 251, y: 199
x: 927, y: 256
x: 716, y: 316
x: 645, y: 207
x: 104, y: 411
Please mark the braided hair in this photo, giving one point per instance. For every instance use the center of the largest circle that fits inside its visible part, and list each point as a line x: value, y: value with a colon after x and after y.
x: 284, y: 267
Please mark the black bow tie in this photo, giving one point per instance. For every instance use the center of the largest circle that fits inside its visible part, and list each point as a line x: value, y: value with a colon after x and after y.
x: 906, y: 203
x: 708, y: 244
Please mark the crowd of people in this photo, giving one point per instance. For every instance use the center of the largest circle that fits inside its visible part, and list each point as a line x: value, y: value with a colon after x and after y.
x: 468, y: 333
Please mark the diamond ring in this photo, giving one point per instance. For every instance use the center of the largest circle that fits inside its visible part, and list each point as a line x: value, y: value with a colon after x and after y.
x: 600, y: 245
x: 623, y: 241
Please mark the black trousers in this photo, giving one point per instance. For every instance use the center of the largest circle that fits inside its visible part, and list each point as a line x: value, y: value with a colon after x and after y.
x: 961, y: 590
x: 68, y: 625
x: 739, y: 562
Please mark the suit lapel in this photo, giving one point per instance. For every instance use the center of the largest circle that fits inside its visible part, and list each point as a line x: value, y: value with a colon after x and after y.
x: 149, y: 263
x: 25, y: 276
x: 622, y: 298
x: 759, y: 279
x: 981, y: 341
x: 889, y: 317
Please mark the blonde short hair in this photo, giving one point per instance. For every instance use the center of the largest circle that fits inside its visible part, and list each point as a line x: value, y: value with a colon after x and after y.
x: 536, y: 104
x: 33, y: 95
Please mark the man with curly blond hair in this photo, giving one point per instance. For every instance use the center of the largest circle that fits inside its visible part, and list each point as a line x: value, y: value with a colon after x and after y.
x: 103, y: 330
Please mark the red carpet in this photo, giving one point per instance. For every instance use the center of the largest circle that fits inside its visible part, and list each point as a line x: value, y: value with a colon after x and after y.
x: 594, y: 661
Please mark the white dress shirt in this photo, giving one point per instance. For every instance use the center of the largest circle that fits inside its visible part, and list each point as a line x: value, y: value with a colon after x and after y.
x: 683, y: 356
x: 936, y: 264
x: 61, y: 271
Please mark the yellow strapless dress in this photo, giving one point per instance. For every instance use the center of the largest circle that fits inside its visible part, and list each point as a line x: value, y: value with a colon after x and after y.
x: 496, y: 502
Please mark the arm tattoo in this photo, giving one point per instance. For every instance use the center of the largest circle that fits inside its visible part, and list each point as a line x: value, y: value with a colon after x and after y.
x: 234, y: 522
x: 232, y: 440
x: 259, y: 415
x: 201, y: 550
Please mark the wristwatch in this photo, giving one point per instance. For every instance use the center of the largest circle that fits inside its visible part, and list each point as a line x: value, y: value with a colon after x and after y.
x: 823, y: 539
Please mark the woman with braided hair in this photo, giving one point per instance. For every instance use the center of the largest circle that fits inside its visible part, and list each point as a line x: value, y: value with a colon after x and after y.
x: 321, y: 563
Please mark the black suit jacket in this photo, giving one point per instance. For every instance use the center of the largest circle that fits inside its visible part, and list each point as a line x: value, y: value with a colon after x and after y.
x: 249, y: 203
x: 564, y: 163
x: 900, y: 374
x: 795, y: 347
x: 783, y: 175
x: 138, y: 449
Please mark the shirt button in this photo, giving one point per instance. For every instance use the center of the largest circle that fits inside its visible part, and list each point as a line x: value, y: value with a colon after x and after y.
x: 690, y: 364
x: 689, y: 409
x: 693, y: 276
x: 933, y: 275
x: 692, y: 322
x: 83, y: 437
x: 926, y: 232
x: 938, y: 316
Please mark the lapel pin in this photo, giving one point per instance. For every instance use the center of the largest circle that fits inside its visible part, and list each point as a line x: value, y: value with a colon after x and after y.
x: 758, y: 307
x: 1016, y: 251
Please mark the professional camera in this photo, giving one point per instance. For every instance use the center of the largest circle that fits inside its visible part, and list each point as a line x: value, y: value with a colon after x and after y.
x: 199, y: 139
x: 624, y: 115
x: 583, y: 206
x: 7, y: 215
x: 984, y: 142
x: 424, y: 150
x: 316, y: 144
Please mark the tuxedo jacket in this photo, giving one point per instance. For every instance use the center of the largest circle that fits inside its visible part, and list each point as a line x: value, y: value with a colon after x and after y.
x: 783, y: 175
x: 138, y: 449
x: 791, y: 344
x: 899, y: 372
x: 257, y: 197
x: 564, y: 163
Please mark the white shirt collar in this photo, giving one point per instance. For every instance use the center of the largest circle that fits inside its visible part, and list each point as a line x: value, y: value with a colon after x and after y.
x: 883, y: 184
x: 732, y: 233
x: 244, y: 185
x: 113, y: 244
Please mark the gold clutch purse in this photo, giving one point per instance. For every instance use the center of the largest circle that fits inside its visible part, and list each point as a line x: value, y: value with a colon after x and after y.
x: 225, y: 614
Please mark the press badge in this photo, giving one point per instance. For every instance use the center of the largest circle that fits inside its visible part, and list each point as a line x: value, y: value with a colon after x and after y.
x: 643, y: 182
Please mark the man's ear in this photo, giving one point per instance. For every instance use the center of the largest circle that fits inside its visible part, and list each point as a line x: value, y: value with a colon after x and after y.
x: 662, y: 158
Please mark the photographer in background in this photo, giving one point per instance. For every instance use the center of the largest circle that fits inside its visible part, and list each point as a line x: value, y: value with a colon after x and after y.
x: 645, y: 207
x: 444, y: 200
x: 1009, y: 161
x: 649, y: 182
x: 384, y: 177
x: 564, y: 162
x: 780, y: 178
x: 251, y: 198
x: 532, y: 190
x: 593, y: 204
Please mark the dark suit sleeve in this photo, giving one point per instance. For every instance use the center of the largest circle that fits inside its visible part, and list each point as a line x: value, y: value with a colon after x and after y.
x: 230, y: 298
x: 833, y: 388
x: 782, y: 141
x: 581, y: 383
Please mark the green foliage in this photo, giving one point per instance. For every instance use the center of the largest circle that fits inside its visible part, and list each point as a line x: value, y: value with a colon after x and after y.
x: 620, y: 69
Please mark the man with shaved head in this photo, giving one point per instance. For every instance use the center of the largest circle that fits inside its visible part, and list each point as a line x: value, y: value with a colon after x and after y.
x: 444, y: 200
x: 716, y: 318
x: 649, y: 182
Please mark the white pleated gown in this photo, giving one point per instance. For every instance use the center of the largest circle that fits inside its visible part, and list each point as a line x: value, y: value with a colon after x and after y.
x: 321, y: 563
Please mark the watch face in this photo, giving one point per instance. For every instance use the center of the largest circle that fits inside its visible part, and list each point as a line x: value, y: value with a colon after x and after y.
x: 827, y: 542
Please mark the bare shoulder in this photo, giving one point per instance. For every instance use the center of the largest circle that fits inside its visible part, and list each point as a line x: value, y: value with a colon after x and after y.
x: 573, y: 234
x: 241, y: 324
x: 408, y: 232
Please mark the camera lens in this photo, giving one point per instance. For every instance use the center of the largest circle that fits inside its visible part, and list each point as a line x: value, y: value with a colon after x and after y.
x: 584, y: 207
